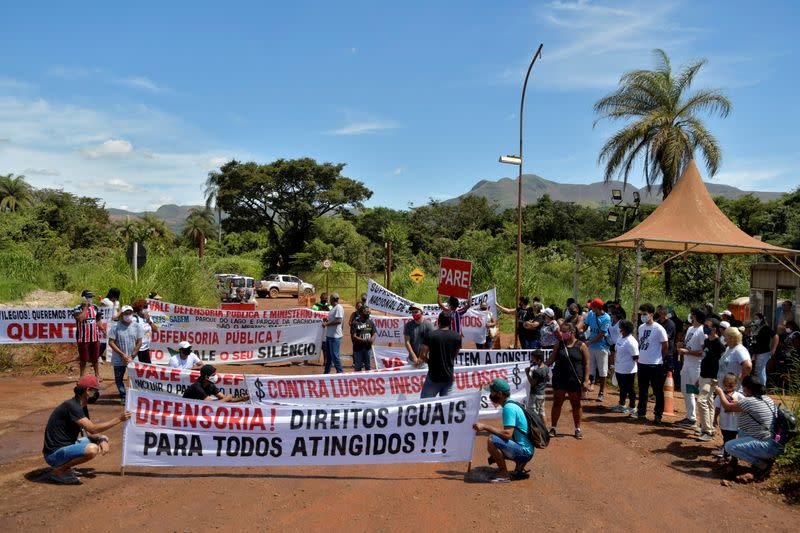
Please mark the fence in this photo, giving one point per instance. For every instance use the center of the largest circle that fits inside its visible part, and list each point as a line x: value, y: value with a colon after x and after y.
x: 349, y: 285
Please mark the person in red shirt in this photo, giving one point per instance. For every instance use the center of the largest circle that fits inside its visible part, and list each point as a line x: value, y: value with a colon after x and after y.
x: 89, y: 320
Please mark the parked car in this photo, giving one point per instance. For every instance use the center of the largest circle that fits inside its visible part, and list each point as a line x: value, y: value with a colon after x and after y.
x: 235, y: 288
x: 275, y: 285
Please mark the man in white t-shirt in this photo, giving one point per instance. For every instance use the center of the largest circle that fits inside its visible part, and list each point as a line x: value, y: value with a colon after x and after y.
x: 110, y: 306
x: 653, y: 346
x: 692, y: 355
x: 185, y: 359
x: 333, y: 334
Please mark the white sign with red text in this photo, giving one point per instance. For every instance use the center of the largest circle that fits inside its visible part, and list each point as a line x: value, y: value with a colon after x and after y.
x: 175, y: 381
x: 390, y: 329
x: 34, y: 325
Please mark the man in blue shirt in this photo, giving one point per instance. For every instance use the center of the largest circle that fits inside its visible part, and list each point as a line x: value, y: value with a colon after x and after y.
x: 598, y: 322
x: 511, y: 441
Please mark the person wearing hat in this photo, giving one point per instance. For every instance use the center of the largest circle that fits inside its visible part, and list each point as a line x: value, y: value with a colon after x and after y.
x: 414, y: 332
x: 205, y: 388
x: 333, y: 335
x: 511, y: 441
x: 154, y: 296
x: 728, y: 317
x: 549, y: 336
x: 185, y: 359
x: 598, y: 323
x: 89, y: 319
x: 124, y: 339
x: 63, y: 449
x: 362, y: 333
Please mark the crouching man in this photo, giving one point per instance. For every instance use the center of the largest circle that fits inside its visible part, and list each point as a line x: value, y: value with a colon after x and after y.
x: 511, y: 441
x: 205, y: 388
x: 62, y: 447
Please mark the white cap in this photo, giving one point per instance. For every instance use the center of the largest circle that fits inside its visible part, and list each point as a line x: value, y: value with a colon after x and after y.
x: 126, y: 308
x: 549, y: 312
x: 184, y: 345
x: 724, y: 324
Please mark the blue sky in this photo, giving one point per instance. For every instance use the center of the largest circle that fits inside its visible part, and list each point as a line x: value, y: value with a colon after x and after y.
x: 136, y: 103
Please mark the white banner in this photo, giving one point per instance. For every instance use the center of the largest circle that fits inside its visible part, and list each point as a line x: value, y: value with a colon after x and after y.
x: 397, y: 385
x: 175, y: 380
x: 391, y: 357
x: 174, y: 316
x: 170, y: 431
x: 34, y: 325
x: 379, y: 298
x: 390, y: 328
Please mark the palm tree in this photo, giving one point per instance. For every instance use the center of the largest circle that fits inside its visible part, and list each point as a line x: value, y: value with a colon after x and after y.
x: 14, y: 193
x: 156, y: 230
x: 199, y: 223
x: 129, y: 229
x: 665, y: 130
x: 212, y: 192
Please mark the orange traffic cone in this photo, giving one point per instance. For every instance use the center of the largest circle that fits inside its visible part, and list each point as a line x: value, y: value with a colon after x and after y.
x: 669, y: 388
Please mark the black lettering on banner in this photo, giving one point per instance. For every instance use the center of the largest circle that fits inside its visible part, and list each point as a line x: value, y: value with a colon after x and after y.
x: 183, y: 445
x: 245, y: 446
x: 356, y: 445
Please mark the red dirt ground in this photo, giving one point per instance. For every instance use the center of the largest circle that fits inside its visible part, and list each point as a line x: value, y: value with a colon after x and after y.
x: 621, y: 476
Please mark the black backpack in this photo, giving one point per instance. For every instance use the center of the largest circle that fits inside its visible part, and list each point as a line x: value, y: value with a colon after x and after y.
x: 537, y: 430
x: 785, y: 426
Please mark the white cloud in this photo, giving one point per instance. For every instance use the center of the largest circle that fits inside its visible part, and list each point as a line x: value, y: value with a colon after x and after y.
x: 141, y: 82
x: 752, y: 178
x: 109, y: 148
x: 364, y: 127
x: 41, y: 172
x: 111, y: 185
x: 213, y: 163
x: 398, y: 171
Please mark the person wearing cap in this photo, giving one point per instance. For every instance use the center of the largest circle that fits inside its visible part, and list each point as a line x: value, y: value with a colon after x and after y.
x: 549, y: 331
x: 63, y: 449
x: 362, y: 333
x: 511, y: 441
x: 333, y: 335
x: 205, y: 388
x: 185, y: 359
x: 728, y: 317
x: 124, y: 339
x: 89, y: 321
x: 154, y: 296
x: 414, y: 332
x: 597, y: 324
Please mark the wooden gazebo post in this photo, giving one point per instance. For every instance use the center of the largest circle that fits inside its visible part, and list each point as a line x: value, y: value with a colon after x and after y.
x: 638, y: 281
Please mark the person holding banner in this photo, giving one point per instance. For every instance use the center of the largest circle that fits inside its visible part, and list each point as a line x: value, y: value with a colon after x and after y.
x: 62, y: 448
x: 414, y: 332
x: 511, y: 441
x: 456, y: 311
x: 142, y: 317
x: 87, y: 333
x: 125, y: 338
x: 362, y: 333
x: 439, y: 350
x: 205, y: 388
x: 333, y: 335
x: 490, y: 325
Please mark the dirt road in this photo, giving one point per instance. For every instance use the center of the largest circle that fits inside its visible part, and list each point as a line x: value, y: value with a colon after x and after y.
x: 621, y: 476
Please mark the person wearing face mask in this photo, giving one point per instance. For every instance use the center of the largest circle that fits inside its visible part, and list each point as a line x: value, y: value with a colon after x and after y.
x: 359, y: 304
x: 124, y: 339
x: 362, y: 333
x: 653, y: 346
x: 414, y: 332
x: 89, y: 323
x: 185, y: 358
x: 490, y: 326
x: 763, y: 344
x: 692, y: 354
x: 142, y: 317
x: 205, y: 388
x: 735, y: 359
x: 709, y: 368
x: 63, y: 449
x: 570, y: 376
x: 511, y: 441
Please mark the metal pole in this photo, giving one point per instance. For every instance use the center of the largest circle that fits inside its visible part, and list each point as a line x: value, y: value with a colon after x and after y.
x: 519, y: 179
x: 618, y: 281
x: 717, y: 280
x: 136, y: 262
x: 576, y: 278
x: 638, y: 280
x: 389, y: 265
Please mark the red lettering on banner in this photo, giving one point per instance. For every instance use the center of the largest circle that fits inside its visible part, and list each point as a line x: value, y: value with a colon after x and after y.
x: 176, y: 414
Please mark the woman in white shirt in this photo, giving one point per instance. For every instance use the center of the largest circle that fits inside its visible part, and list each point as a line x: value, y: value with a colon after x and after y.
x: 736, y: 358
x: 627, y: 353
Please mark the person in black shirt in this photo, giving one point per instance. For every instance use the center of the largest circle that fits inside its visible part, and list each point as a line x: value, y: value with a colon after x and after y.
x: 713, y: 348
x: 439, y: 350
x: 205, y: 388
x: 362, y: 333
x: 62, y: 448
x: 524, y: 313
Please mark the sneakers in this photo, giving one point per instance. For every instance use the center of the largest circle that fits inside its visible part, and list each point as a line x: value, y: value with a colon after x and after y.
x: 553, y: 432
x: 720, y: 452
x: 578, y: 434
x: 629, y: 410
x: 601, y: 397
x: 618, y: 408
x: 657, y: 421
x: 635, y: 414
x: 687, y: 422
x: 705, y: 437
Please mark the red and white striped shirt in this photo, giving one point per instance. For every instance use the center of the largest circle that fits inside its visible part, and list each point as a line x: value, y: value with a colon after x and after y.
x: 87, y: 331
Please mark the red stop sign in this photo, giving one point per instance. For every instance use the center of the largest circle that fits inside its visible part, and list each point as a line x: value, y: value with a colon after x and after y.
x: 455, y: 276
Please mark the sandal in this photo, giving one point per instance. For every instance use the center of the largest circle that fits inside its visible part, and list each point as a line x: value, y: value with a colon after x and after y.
x: 67, y: 479
x: 500, y: 480
x: 517, y: 475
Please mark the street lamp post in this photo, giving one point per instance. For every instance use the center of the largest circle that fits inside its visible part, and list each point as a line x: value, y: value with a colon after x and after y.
x: 517, y: 160
x: 613, y: 216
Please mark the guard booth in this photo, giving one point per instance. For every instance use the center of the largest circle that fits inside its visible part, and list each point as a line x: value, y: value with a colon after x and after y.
x: 771, y: 284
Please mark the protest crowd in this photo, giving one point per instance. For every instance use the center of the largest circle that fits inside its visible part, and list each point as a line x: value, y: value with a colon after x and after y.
x: 722, y: 367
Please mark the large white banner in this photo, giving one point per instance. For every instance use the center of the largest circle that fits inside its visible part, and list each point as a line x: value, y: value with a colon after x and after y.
x: 175, y: 380
x: 379, y: 298
x: 34, y: 325
x: 171, y: 431
x: 389, y: 386
x: 389, y: 329
x: 175, y: 316
x: 387, y: 357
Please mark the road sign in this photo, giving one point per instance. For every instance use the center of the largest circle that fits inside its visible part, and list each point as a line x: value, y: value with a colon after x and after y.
x: 455, y: 276
x: 141, y: 255
x: 417, y: 276
x: 327, y: 264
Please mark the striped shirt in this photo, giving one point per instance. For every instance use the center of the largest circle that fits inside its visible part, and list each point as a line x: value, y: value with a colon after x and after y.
x: 87, y: 330
x: 756, y: 417
x: 455, y: 322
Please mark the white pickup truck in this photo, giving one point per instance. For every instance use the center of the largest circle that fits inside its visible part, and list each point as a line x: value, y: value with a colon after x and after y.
x: 275, y: 285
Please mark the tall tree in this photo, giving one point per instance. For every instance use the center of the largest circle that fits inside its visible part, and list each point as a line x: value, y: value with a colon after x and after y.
x: 285, y: 197
x: 211, y: 191
x: 664, y: 128
x: 14, y: 192
x: 156, y: 231
x: 199, y: 224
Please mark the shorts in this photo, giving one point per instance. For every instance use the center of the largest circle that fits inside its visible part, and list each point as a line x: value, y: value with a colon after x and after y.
x: 536, y: 404
x: 598, y: 359
x: 511, y: 449
x: 67, y: 453
x: 89, y: 351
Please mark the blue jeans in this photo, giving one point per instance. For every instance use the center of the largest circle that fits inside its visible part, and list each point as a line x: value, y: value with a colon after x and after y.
x: 761, y: 366
x: 119, y: 379
x: 362, y: 359
x: 432, y: 389
x: 511, y: 449
x: 332, y: 345
x: 67, y: 453
x: 530, y: 344
x: 753, y: 450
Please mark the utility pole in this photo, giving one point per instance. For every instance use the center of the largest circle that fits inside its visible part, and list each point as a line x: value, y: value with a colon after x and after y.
x: 389, y: 265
